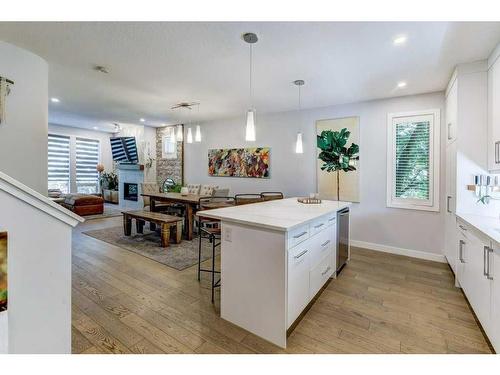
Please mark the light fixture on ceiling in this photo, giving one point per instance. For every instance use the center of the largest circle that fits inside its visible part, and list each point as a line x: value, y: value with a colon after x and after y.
x: 401, y: 84
x: 250, y: 38
x: 117, y: 127
x: 101, y: 69
x: 189, y: 136
x: 95, y: 128
x: 399, y: 40
x: 197, y: 136
x: 142, y: 120
x: 180, y: 133
x: 54, y: 100
x: 298, y: 144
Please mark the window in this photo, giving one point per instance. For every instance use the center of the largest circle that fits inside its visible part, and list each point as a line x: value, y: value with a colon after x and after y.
x: 413, y: 160
x: 87, y: 158
x: 59, y: 162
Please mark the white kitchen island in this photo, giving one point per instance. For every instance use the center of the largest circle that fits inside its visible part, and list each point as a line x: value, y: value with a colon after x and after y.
x: 275, y: 257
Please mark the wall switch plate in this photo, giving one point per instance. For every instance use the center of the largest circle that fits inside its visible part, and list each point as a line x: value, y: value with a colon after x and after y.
x: 228, y: 234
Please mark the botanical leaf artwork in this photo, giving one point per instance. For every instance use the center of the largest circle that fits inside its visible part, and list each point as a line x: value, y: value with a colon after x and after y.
x: 335, y: 155
x: 239, y: 162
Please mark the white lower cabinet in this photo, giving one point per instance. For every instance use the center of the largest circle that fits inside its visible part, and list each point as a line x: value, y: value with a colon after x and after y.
x: 311, y: 262
x: 477, y: 259
x: 298, y: 279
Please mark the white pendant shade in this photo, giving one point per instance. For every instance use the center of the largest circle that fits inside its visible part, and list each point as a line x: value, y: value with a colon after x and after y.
x: 197, y: 136
x: 298, y: 144
x: 180, y: 135
x: 250, y: 129
x: 190, y: 136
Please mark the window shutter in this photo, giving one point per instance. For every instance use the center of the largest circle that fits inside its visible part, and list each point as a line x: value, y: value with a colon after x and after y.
x: 412, y: 164
x: 87, y: 158
x: 58, y: 163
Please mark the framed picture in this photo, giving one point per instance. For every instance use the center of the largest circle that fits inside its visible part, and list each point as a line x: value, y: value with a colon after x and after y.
x: 239, y: 162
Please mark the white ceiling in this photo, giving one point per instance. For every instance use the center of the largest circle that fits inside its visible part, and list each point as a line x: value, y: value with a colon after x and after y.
x: 152, y: 66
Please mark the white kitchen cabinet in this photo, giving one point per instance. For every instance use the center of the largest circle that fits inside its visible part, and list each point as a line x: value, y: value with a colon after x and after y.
x: 450, y: 219
x: 451, y: 111
x: 298, y: 278
x: 494, y: 113
x: 494, y: 272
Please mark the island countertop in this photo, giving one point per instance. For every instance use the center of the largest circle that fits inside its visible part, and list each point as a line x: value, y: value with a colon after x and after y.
x: 281, y: 214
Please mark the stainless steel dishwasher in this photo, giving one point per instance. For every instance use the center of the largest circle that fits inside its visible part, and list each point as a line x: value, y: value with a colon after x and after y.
x: 342, y: 238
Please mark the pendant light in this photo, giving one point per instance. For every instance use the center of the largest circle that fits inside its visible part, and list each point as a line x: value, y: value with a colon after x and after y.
x: 189, y: 131
x: 250, y: 38
x: 180, y: 133
x: 298, y: 144
x: 197, y: 136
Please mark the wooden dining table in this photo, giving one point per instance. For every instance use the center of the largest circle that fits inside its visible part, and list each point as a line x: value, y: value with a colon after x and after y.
x: 190, y: 202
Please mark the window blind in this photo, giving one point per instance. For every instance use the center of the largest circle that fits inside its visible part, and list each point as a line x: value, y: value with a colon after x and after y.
x: 412, y: 164
x: 58, y: 162
x: 87, y: 158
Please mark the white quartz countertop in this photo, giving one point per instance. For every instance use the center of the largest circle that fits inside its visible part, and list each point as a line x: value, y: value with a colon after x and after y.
x: 490, y: 226
x: 282, y: 214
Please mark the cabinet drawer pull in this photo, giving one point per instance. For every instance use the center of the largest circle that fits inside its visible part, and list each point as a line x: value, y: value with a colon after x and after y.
x: 319, y: 225
x: 301, y: 254
x: 449, y: 131
x: 461, y: 244
x: 300, y: 235
x: 462, y: 227
x: 485, y: 255
x: 325, y: 243
x: 489, y: 250
x: 448, y: 204
x: 325, y: 271
x: 497, y: 152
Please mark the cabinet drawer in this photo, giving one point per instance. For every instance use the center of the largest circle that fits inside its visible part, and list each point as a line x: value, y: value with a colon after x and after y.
x: 322, y: 244
x: 331, y: 219
x: 318, y: 225
x: 298, y: 280
x: 319, y: 275
x: 298, y: 235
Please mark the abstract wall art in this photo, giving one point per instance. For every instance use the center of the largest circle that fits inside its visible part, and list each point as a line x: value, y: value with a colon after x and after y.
x: 3, y: 271
x: 239, y: 162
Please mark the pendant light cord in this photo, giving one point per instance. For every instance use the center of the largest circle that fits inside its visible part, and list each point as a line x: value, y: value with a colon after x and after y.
x: 251, y: 93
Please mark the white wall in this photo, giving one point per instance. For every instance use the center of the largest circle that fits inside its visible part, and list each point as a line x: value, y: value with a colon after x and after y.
x: 23, y: 137
x: 295, y: 174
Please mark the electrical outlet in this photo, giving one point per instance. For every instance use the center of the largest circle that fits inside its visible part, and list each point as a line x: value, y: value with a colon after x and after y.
x: 228, y: 234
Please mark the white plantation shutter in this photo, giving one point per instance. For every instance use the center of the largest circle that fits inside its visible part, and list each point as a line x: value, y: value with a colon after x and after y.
x: 87, y: 158
x: 59, y: 162
x: 413, y: 160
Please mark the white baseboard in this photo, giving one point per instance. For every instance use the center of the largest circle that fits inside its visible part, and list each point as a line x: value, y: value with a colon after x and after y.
x: 400, y: 251
x: 3, y: 332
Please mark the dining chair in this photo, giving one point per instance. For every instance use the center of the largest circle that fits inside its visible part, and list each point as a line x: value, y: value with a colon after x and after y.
x: 271, y: 195
x: 209, y: 228
x: 194, y: 189
x: 241, y: 199
x: 208, y: 190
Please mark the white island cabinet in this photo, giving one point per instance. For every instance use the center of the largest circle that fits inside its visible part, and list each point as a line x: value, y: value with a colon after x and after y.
x: 275, y: 257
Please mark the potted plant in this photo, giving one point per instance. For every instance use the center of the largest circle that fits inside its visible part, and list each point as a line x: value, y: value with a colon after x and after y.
x: 109, y: 186
x: 335, y: 155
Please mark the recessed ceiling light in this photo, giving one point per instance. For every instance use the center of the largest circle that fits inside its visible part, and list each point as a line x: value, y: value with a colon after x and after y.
x: 399, y: 40
x: 142, y: 120
x: 401, y: 84
x: 95, y: 128
x: 54, y: 100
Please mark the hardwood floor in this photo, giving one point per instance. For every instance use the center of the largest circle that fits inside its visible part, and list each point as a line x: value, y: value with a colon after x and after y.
x: 381, y: 303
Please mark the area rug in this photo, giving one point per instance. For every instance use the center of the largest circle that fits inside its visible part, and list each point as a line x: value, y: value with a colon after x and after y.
x: 178, y: 256
x: 110, y: 210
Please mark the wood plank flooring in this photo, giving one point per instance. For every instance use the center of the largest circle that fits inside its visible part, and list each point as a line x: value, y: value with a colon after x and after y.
x: 381, y: 303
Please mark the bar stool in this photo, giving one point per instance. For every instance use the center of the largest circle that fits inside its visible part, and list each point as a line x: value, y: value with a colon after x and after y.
x: 241, y: 199
x: 212, y: 233
x: 271, y: 195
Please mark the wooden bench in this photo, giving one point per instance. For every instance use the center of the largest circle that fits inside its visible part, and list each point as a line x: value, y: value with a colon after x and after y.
x: 166, y: 222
